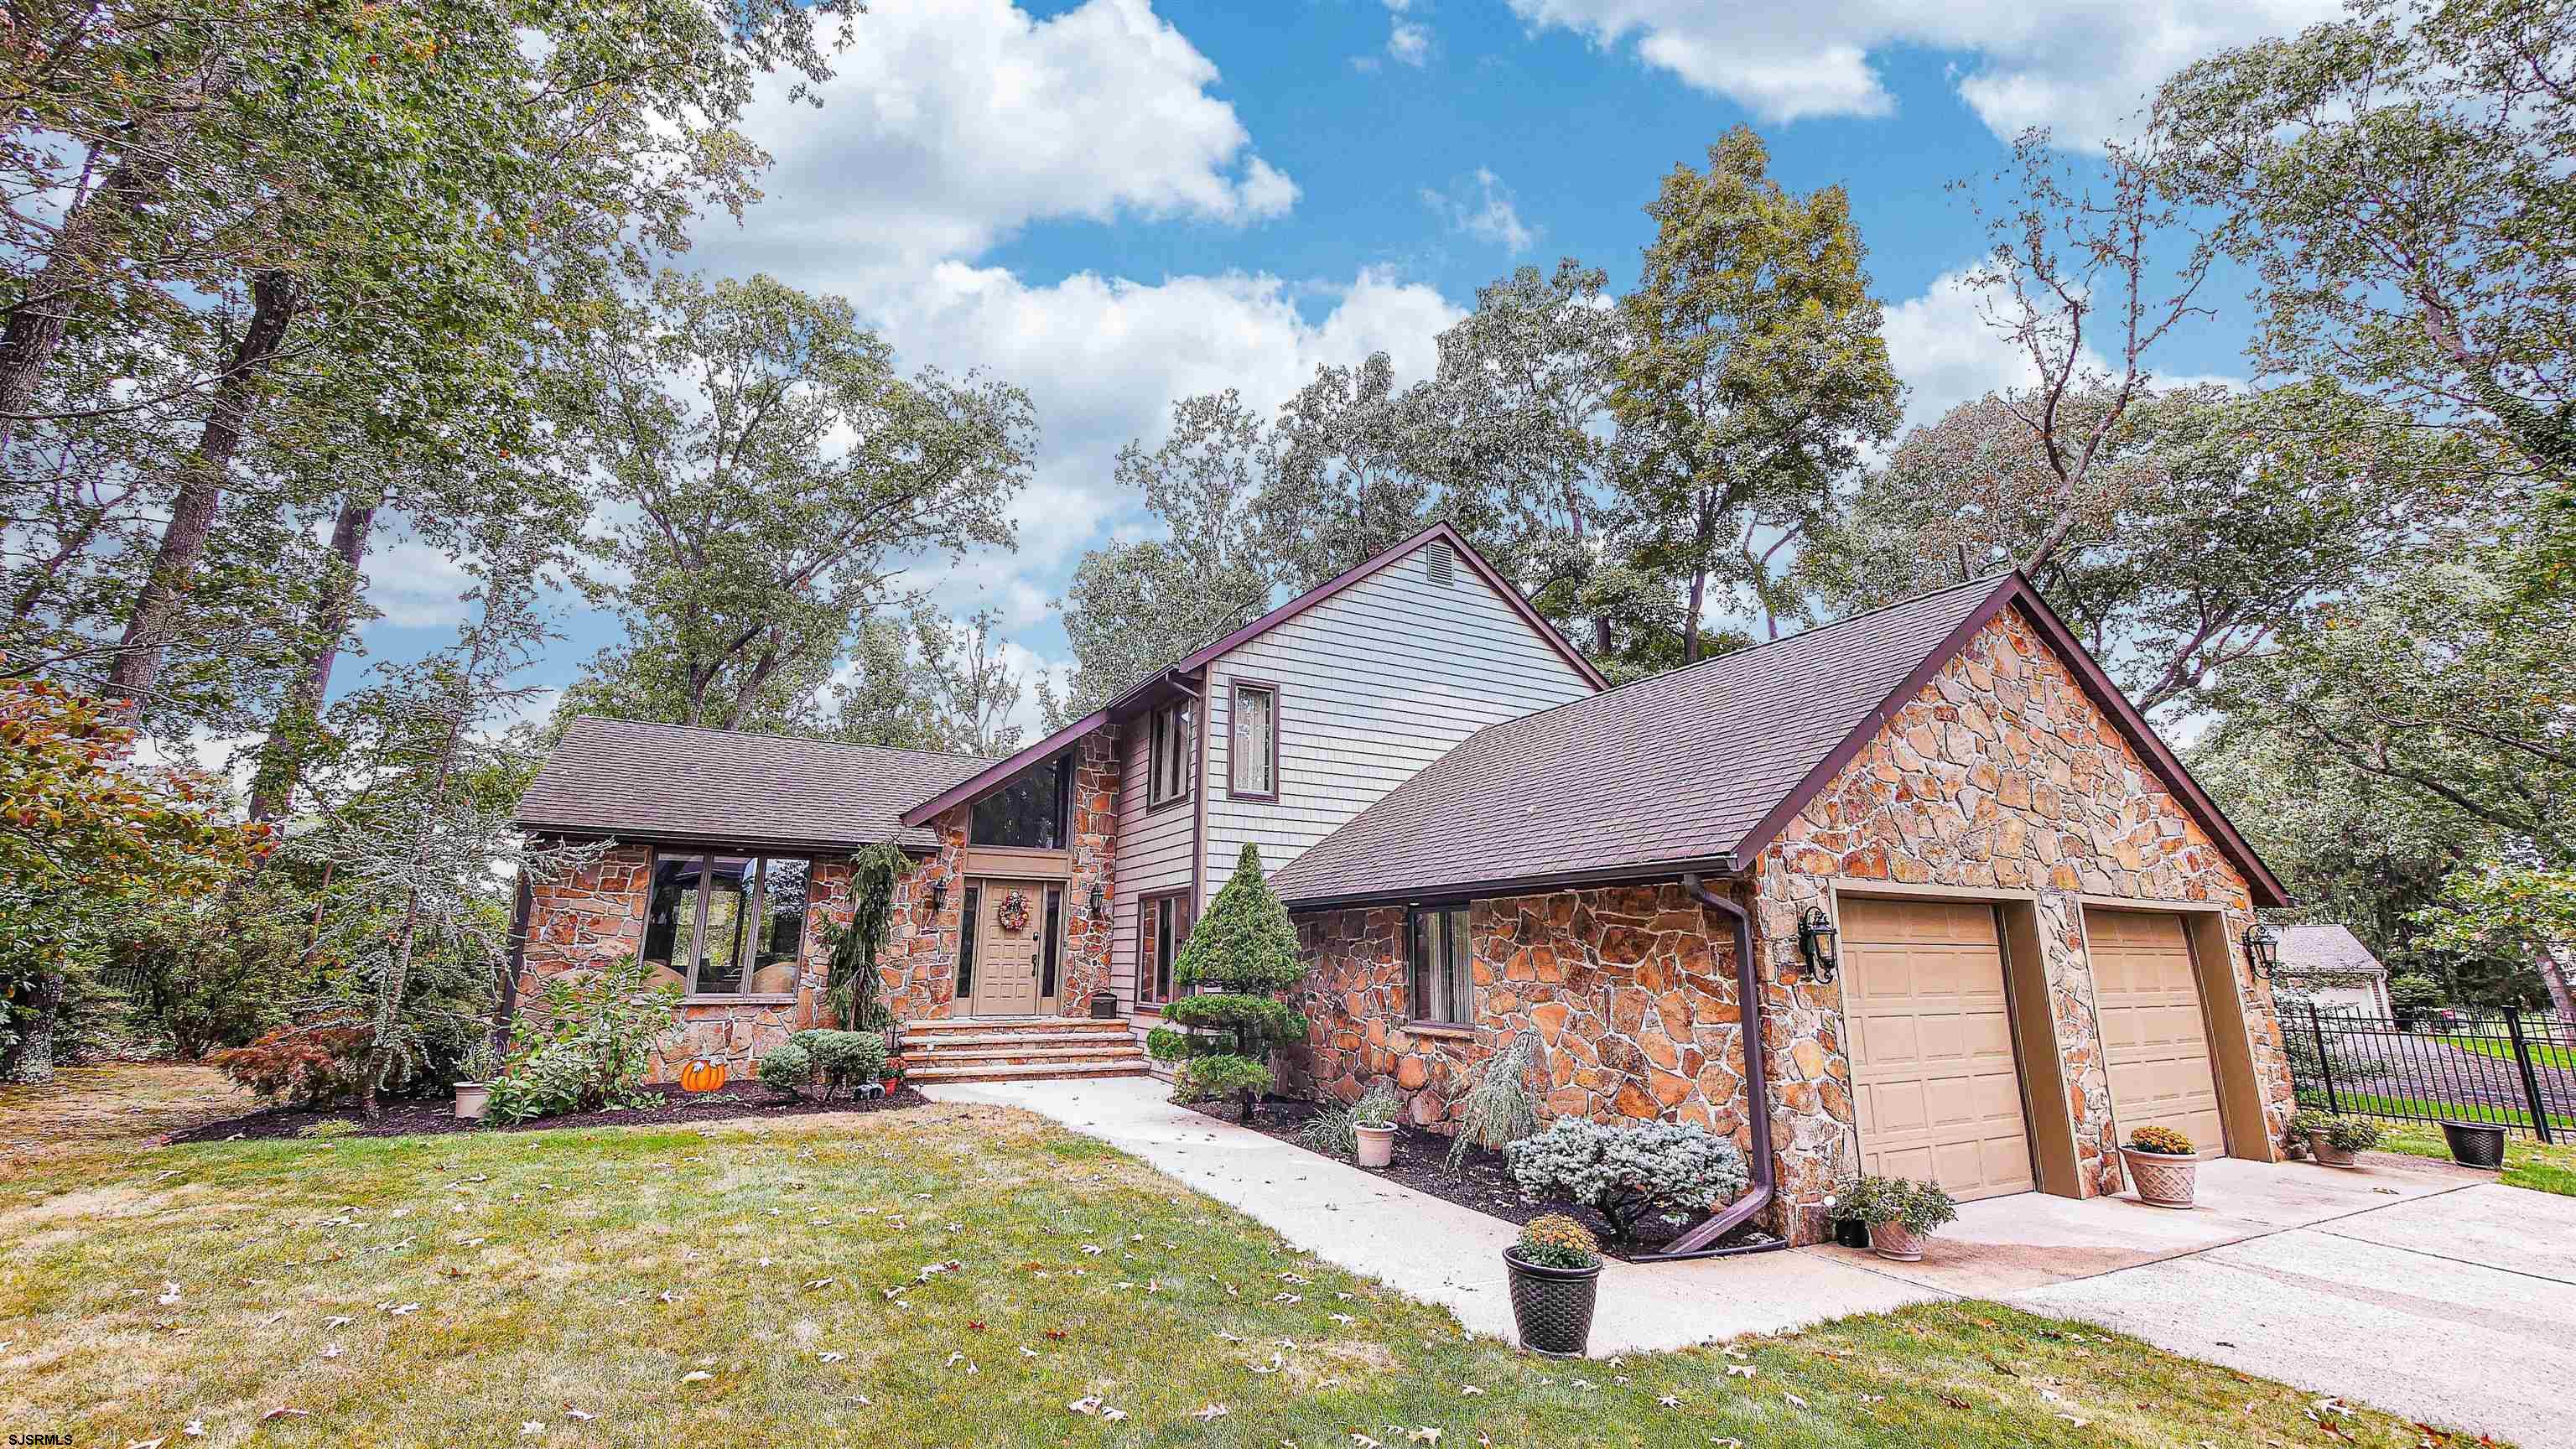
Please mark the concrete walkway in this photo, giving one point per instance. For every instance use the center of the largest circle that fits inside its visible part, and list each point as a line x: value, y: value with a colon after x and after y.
x: 2424, y: 1291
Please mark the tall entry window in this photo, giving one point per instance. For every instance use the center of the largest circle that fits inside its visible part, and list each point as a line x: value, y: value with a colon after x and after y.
x: 1174, y: 753
x: 1443, y: 966
x: 1029, y: 812
x: 727, y: 925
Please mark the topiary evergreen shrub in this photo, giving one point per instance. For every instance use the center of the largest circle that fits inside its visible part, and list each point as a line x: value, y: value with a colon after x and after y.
x: 1246, y: 950
x: 1629, y: 1171
x: 844, y: 1059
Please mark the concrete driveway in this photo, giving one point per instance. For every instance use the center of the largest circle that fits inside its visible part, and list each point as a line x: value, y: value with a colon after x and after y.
x: 2416, y: 1288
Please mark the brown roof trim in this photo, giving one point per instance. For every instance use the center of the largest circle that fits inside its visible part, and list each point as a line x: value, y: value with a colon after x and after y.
x: 1001, y: 770
x: 2015, y: 589
x: 753, y: 844
x: 1520, y: 885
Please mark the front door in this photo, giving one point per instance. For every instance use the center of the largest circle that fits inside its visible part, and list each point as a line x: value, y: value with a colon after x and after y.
x: 1010, y: 931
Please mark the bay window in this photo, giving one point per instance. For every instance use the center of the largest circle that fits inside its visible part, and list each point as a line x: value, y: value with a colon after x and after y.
x: 727, y: 925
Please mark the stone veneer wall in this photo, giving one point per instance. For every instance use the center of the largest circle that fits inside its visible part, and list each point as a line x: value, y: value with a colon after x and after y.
x: 2000, y: 775
x: 597, y: 915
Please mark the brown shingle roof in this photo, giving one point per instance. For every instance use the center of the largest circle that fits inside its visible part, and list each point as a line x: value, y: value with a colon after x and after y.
x: 671, y: 782
x: 1695, y: 769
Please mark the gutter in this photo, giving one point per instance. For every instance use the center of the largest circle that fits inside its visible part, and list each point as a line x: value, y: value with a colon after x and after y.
x: 1757, y: 1100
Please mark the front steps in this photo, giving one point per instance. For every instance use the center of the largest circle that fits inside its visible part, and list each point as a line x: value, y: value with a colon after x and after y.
x: 1018, y: 1049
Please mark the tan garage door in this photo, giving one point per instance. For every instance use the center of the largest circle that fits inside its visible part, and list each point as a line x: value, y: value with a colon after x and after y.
x: 1937, y: 1087
x: 2155, y: 1038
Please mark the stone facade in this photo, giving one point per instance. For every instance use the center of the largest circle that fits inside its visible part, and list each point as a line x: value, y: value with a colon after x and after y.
x: 2002, y: 775
x: 596, y: 915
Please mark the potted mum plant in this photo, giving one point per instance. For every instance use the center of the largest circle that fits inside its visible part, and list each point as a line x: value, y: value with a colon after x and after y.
x: 2162, y: 1166
x: 1555, y: 1272
x: 1373, y: 1125
x: 2333, y: 1140
x: 1902, y: 1214
x: 474, y: 1073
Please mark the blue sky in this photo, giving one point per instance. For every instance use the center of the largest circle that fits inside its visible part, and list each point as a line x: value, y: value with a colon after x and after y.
x: 1116, y: 202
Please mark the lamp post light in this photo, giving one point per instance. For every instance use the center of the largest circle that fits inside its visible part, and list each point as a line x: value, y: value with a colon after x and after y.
x: 2263, y: 949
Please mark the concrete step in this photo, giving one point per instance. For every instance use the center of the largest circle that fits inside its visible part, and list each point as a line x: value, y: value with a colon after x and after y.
x: 1037, y: 1025
x: 983, y: 1072
x: 1027, y: 1051
x: 961, y: 1040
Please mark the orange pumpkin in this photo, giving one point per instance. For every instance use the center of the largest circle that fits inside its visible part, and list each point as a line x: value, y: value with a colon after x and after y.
x: 702, y: 1075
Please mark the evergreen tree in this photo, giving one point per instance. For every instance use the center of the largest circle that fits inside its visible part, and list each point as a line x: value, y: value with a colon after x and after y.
x: 1246, y: 950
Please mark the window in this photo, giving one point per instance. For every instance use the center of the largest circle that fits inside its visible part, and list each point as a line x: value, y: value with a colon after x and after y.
x: 1444, y: 989
x: 1255, y: 753
x: 1050, y: 952
x: 966, y: 944
x: 727, y: 925
x: 1028, y: 812
x: 1162, y: 927
x: 1175, y: 753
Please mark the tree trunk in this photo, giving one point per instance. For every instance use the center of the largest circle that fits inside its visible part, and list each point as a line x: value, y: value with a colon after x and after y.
x: 192, y: 516
x: 1690, y: 624
x: 2553, y: 975
x: 31, y: 1060
x: 281, y: 758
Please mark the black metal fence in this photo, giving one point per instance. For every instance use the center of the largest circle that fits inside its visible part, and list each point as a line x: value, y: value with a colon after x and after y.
x: 2509, y: 1069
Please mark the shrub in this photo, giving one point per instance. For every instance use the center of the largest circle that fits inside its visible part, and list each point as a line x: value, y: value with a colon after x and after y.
x: 850, y: 988
x: 787, y: 1067
x: 1245, y: 947
x: 1212, y: 1078
x: 2413, y: 992
x: 2161, y: 1139
x: 549, y: 1082
x: 479, y: 1064
x: 2344, y: 1134
x: 310, y: 1064
x: 846, y: 1059
x: 1918, y: 1207
x: 1558, y: 1241
x: 1628, y: 1171
x: 1502, y: 1107
x: 607, y: 1022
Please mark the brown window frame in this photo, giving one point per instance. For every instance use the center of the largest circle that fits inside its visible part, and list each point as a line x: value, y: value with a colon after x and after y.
x: 1415, y: 997
x: 1234, y: 691
x: 1164, y: 732
x: 1148, y: 911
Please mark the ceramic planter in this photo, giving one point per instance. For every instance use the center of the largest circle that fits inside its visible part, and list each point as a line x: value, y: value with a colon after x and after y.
x: 472, y: 1098
x: 2475, y: 1144
x: 1552, y: 1307
x: 1896, y: 1242
x: 1377, y: 1145
x: 2326, y: 1152
x: 2163, y: 1179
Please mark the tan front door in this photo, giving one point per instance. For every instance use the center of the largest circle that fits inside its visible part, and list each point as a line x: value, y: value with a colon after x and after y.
x: 2155, y: 1037
x: 1006, y: 949
x: 1929, y: 1031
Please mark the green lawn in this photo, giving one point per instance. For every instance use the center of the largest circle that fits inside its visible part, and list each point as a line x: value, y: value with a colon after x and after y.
x: 940, y: 1276
x: 2550, y: 1168
x: 2373, y: 1104
x: 2543, y: 1054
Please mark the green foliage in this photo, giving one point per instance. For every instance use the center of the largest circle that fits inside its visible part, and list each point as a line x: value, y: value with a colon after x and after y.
x: 308, y: 1065
x: 1236, y: 1016
x: 787, y: 1067
x: 850, y: 992
x: 587, y: 1041
x: 1245, y: 942
x: 555, y: 1079
x: 1214, y: 1078
x: 1331, y: 1131
x: 844, y: 1059
x: 1378, y: 1107
x: 1165, y: 1044
x: 1553, y: 1240
x: 1630, y: 1170
x: 480, y: 1063
x: 1245, y: 946
x: 2412, y: 993
x: 2344, y: 1134
x: 1502, y: 1107
x: 1919, y: 1207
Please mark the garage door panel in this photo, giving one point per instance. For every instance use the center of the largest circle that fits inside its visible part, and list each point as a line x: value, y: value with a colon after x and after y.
x: 2155, y: 1034
x: 1937, y: 1089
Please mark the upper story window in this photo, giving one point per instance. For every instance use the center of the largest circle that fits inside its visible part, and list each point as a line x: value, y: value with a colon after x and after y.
x: 1443, y: 966
x: 727, y: 925
x: 1029, y: 812
x: 1175, y: 750
x: 1255, y: 752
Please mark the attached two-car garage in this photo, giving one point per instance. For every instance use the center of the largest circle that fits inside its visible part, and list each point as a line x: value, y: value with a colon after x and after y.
x: 1953, y: 1051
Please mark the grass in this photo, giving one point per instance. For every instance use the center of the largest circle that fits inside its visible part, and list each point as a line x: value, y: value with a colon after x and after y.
x: 2538, y: 1166
x: 2543, y: 1054
x: 2374, y: 1104
x: 906, y: 1278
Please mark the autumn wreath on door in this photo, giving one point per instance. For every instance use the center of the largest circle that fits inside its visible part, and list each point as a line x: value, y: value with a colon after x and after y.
x: 1014, y: 913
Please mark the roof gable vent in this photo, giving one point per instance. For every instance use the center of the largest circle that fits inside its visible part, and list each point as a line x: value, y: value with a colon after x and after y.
x: 1439, y: 565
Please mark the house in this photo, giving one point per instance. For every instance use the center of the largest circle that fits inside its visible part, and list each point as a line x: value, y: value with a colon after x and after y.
x: 1985, y: 922
x: 2330, y: 967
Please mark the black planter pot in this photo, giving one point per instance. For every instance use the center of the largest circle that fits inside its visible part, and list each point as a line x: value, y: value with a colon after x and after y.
x: 1552, y: 1306
x: 2475, y: 1144
x: 1851, y: 1233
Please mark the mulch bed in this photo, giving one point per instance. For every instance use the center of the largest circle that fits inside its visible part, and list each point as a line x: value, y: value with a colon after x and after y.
x: 1479, y: 1182
x: 412, y: 1117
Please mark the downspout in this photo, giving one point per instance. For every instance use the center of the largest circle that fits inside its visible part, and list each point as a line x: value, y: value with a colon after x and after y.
x: 1757, y: 1099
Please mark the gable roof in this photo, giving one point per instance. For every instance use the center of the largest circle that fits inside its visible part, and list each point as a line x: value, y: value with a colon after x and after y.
x: 1000, y: 771
x: 1696, y: 769
x: 2307, y: 949
x: 731, y: 788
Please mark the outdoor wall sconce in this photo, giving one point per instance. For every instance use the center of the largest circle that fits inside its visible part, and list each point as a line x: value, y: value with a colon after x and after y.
x: 2263, y: 949
x: 938, y: 896
x: 1816, y: 935
x: 1099, y: 900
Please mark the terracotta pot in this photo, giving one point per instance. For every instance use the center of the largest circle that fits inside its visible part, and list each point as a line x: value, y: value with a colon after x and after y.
x: 1552, y: 1307
x: 2163, y: 1179
x: 2326, y: 1152
x: 472, y: 1098
x: 1377, y: 1145
x: 1897, y: 1242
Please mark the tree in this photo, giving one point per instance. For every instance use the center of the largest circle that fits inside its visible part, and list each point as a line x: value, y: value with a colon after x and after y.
x: 1755, y: 375
x: 2395, y: 180
x: 774, y: 476
x: 973, y: 688
x: 1246, y: 948
x: 850, y: 989
x: 2522, y: 911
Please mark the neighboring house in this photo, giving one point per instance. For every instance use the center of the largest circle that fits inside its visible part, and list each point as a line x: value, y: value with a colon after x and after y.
x: 2329, y: 966
x: 2040, y: 916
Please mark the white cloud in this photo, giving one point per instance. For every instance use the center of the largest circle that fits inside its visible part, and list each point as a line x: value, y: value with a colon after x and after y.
x: 1481, y: 207
x: 1407, y: 39
x: 2083, y: 68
